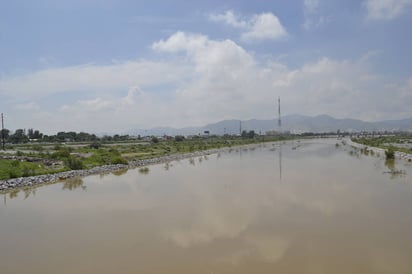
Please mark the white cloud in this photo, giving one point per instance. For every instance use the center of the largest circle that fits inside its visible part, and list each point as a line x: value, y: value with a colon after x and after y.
x: 264, y: 26
x: 229, y: 18
x: 222, y: 56
x: 181, y: 41
x: 91, y: 78
x: 198, y: 81
x: 386, y: 9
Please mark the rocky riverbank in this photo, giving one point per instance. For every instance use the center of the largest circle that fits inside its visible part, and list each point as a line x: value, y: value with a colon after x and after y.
x: 52, y: 178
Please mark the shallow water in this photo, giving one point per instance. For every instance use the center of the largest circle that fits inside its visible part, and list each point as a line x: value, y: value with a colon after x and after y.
x: 298, y: 207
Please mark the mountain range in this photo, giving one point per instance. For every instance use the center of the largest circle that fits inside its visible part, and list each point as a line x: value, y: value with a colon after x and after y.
x: 293, y: 123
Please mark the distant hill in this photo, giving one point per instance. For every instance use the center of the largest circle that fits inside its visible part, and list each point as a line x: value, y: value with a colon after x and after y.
x: 292, y: 123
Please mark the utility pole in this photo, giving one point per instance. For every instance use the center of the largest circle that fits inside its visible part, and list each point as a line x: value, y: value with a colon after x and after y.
x: 240, y: 127
x: 2, y: 131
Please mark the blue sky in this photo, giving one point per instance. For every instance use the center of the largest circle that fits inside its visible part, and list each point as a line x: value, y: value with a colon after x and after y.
x: 111, y: 66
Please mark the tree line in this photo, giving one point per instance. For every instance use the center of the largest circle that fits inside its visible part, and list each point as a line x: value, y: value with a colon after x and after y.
x: 20, y: 136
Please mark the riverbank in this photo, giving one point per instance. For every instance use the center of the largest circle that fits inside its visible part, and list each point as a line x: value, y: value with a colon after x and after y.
x: 22, y: 182
x: 398, y: 154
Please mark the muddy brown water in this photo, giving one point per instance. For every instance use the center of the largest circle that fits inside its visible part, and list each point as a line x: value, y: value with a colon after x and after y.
x: 298, y: 207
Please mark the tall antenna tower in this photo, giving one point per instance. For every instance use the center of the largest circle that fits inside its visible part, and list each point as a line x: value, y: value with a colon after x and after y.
x: 279, y: 120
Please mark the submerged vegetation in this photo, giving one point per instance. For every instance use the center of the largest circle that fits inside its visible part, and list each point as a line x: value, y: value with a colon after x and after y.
x: 390, y: 144
x: 144, y: 170
x: 401, y: 143
x: 390, y: 154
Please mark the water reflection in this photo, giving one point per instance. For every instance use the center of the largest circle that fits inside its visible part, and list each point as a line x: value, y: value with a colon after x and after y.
x: 31, y: 191
x: 280, y: 161
x: 14, y: 193
x: 120, y: 172
x: 144, y: 170
x: 390, y: 164
x: 73, y: 184
x: 331, y: 214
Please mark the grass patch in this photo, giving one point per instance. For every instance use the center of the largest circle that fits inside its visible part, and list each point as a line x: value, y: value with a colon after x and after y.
x: 13, y: 169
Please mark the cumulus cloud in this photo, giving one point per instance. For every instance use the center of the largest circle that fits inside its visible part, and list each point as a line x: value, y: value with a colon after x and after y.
x: 386, y: 9
x: 201, y: 80
x: 207, y: 54
x: 264, y: 26
x: 229, y: 18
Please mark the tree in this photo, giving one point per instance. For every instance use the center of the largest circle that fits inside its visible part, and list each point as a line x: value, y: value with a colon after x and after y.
x: 34, y: 134
x: 30, y: 133
x: 5, y: 133
x: 37, y: 135
x: 19, y: 137
x: 251, y: 134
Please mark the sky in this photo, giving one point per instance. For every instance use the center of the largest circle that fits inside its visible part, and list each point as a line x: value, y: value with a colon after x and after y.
x: 114, y: 66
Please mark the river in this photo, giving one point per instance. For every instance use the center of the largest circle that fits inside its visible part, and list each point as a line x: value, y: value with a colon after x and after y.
x: 307, y: 206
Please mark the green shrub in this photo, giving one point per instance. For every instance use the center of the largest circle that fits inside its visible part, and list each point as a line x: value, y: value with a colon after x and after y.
x: 62, y: 153
x: 119, y: 161
x: 95, y: 145
x: 114, y: 151
x: 27, y: 172
x: 15, y: 163
x: 13, y: 174
x: 390, y: 153
x: 74, y: 163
